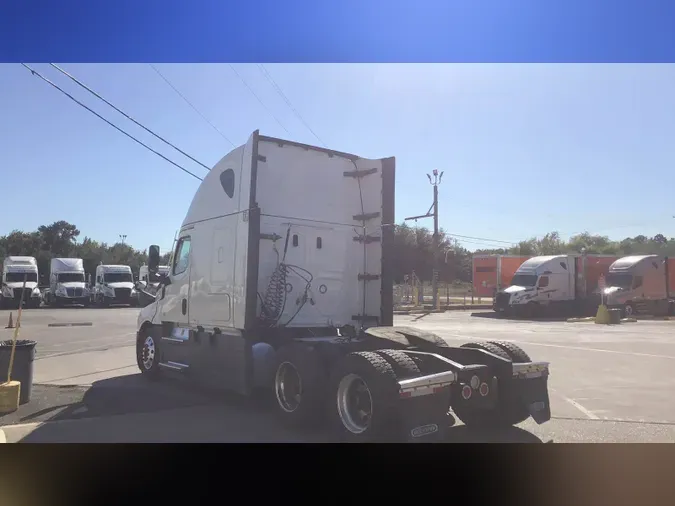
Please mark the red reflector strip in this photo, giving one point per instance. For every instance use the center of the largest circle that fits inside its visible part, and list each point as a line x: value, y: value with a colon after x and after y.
x: 405, y: 395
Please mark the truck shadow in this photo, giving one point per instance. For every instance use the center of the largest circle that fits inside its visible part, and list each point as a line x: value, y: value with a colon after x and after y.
x: 230, y: 418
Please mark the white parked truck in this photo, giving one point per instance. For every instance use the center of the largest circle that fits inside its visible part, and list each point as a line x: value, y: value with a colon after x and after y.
x: 67, y: 283
x: 114, y: 285
x: 282, y: 279
x: 555, y: 285
x: 642, y: 284
x: 16, y: 269
x: 145, y: 280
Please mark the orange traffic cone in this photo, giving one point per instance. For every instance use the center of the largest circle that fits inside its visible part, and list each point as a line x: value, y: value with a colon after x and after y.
x: 10, y: 324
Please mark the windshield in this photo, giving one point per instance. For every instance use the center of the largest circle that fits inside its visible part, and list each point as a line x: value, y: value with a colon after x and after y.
x: 118, y: 277
x: 623, y: 281
x: 17, y: 277
x: 70, y: 277
x: 524, y: 280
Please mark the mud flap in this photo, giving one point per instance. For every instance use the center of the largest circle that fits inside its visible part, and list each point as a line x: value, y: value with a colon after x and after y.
x: 425, y: 419
x: 534, y: 394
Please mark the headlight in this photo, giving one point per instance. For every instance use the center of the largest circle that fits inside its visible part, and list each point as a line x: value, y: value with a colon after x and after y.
x: 7, y: 292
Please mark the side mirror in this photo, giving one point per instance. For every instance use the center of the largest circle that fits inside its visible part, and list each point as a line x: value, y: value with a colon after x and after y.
x: 153, y: 258
x: 164, y: 280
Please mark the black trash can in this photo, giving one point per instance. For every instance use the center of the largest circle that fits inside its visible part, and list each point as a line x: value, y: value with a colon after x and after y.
x: 22, y: 370
x: 614, y: 316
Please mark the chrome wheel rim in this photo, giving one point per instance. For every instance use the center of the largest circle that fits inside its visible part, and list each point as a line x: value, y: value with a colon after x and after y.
x: 354, y: 403
x: 288, y: 387
x: 148, y: 353
x: 629, y: 310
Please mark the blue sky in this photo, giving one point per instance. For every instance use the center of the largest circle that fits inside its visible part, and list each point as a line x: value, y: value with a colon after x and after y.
x: 526, y: 149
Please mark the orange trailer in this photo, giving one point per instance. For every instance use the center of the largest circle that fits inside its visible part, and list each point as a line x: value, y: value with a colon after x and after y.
x: 494, y: 272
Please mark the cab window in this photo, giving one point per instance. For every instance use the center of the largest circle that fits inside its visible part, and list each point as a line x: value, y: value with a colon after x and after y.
x: 543, y: 282
x: 182, y: 257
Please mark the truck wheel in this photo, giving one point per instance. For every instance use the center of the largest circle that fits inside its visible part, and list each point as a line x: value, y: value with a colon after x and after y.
x: 628, y: 310
x: 299, y: 386
x: 488, y: 346
x: 404, y: 366
x: 147, y: 356
x: 515, y: 353
x: 509, y: 410
x: 366, y: 394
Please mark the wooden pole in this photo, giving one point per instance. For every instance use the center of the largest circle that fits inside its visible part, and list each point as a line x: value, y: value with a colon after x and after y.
x: 16, y: 331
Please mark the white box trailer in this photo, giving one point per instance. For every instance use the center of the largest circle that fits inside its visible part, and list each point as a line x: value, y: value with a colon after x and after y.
x: 67, y: 283
x: 282, y: 279
x: 16, y: 269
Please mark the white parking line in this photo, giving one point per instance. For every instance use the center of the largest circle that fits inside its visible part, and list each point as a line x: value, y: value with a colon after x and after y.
x: 99, y: 347
x: 574, y: 403
x: 563, y: 346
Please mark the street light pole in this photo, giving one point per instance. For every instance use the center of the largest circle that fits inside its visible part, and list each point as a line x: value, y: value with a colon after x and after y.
x: 433, y: 213
x: 123, y: 238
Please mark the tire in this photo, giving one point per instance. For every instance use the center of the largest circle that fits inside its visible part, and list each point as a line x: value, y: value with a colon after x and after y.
x: 488, y: 346
x: 300, y: 370
x: 628, y: 311
x: 515, y: 353
x: 147, y: 354
x: 404, y: 366
x: 509, y: 411
x: 372, y: 376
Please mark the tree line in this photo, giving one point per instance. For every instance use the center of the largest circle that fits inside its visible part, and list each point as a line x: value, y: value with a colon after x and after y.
x: 60, y: 240
x: 413, y: 251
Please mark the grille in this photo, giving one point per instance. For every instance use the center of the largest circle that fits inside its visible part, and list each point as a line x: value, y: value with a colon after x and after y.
x: 122, y: 293
x: 74, y: 292
x: 26, y: 295
x: 502, y: 300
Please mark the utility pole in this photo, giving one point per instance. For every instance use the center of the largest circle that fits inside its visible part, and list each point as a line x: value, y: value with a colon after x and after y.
x: 433, y: 213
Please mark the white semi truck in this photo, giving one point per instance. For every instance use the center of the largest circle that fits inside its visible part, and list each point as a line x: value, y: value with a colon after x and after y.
x: 282, y: 279
x: 16, y: 269
x: 144, y: 277
x: 67, y: 283
x: 114, y: 285
x: 643, y: 284
x: 554, y: 285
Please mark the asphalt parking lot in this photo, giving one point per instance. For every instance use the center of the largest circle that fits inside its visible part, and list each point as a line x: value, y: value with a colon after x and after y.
x: 607, y: 384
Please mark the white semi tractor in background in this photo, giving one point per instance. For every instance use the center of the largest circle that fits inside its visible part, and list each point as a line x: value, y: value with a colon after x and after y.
x: 641, y: 284
x: 67, y: 283
x: 148, y: 282
x: 114, y: 285
x: 16, y: 270
x: 555, y: 285
x: 282, y: 279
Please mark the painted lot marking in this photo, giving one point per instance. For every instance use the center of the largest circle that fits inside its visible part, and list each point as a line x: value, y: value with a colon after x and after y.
x: 562, y: 346
x: 73, y: 324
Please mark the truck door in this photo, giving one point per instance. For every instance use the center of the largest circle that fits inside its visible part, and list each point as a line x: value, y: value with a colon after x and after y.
x: 175, y: 296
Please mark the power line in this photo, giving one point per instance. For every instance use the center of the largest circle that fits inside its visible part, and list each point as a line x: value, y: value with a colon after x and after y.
x: 127, y: 116
x: 480, y: 238
x: 278, y: 89
x: 35, y: 73
x: 258, y: 98
x: 190, y: 104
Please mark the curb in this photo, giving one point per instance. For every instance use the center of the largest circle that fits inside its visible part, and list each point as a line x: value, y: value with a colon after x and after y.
x: 3, y: 439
